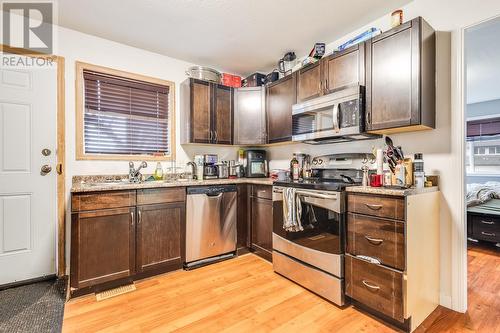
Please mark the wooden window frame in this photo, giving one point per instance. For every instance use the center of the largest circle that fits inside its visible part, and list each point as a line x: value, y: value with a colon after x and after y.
x: 80, y: 111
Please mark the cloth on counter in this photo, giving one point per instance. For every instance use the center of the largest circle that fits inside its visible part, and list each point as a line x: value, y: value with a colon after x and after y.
x: 292, y: 210
x: 480, y: 193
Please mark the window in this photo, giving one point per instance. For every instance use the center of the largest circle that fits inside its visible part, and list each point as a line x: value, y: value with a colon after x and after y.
x: 483, y: 146
x: 123, y: 116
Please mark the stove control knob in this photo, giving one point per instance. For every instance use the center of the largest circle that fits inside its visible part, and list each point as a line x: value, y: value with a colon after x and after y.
x: 315, y: 161
x: 320, y: 161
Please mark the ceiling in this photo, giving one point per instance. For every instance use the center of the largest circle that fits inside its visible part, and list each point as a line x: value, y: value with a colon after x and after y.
x: 238, y: 36
x: 482, y: 57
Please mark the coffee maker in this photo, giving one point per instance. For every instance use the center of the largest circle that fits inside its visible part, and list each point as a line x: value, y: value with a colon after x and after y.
x: 210, y: 166
x: 255, y: 163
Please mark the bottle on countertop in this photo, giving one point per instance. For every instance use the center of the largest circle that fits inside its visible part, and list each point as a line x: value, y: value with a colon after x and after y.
x: 158, y: 175
x: 387, y: 175
x: 294, y: 168
x: 418, y: 171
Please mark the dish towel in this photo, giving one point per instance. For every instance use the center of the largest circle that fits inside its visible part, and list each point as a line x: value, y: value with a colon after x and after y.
x: 292, y: 210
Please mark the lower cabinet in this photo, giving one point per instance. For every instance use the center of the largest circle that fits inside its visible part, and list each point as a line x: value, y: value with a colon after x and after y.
x: 119, y: 236
x: 159, y: 236
x: 262, y: 226
x: 102, y: 246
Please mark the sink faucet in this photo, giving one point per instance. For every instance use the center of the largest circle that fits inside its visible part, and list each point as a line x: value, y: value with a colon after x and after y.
x: 193, y: 169
x: 134, y: 176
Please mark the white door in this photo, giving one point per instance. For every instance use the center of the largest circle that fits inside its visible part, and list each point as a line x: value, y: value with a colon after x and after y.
x: 28, y: 114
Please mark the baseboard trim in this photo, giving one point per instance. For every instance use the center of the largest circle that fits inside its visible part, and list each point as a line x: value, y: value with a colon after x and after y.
x: 445, y: 300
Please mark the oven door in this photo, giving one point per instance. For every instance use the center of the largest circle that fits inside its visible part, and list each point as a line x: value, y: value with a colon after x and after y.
x: 321, y: 243
x: 335, y: 115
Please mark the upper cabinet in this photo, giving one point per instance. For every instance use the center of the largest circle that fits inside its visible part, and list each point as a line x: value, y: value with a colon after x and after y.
x: 280, y: 96
x: 339, y: 70
x: 206, y: 112
x: 400, y: 79
x: 250, y: 116
x: 345, y: 68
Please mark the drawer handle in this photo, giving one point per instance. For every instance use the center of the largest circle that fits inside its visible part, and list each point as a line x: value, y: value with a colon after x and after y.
x: 373, y: 207
x: 487, y: 222
x: 371, y: 286
x: 374, y: 241
x: 488, y: 234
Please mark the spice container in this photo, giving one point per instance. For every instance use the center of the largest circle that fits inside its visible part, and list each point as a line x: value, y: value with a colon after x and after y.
x: 418, y: 171
x: 396, y: 18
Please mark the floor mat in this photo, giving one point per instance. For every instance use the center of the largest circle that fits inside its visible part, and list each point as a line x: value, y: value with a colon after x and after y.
x: 37, y: 307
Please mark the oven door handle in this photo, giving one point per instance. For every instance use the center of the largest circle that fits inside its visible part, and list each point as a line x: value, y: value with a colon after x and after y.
x: 317, y: 195
x: 336, y: 109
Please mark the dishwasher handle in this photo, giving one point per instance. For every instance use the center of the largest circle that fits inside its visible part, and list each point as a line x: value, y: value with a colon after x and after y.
x: 214, y: 195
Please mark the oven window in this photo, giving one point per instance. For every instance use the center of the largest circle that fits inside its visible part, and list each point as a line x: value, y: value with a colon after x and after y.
x: 322, y: 230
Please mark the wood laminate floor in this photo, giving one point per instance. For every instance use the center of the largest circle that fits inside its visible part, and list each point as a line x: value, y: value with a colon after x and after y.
x: 245, y: 295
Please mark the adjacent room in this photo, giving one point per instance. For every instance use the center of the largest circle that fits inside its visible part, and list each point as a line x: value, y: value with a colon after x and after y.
x: 249, y: 166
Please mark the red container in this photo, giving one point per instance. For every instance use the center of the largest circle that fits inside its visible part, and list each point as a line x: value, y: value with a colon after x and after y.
x: 227, y: 79
x: 236, y: 81
x: 376, y: 180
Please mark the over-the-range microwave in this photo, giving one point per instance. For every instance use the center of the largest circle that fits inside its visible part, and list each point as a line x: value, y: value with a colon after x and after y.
x: 336, y: 117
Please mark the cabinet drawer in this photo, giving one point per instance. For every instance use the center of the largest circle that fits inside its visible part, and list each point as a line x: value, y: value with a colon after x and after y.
x: 262, y: 191
x: 486, y: 228
x: 160, y: 195
x: 377, y: 238
x: 375, y: 286
x: 102, y: 200
x: 388, y: 207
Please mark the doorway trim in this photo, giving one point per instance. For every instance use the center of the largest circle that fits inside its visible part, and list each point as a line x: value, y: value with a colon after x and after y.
x: 60, y: 153
x: 459, y: 232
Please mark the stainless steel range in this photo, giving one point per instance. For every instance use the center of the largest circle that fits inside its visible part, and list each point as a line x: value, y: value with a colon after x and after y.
x: 314, y: 257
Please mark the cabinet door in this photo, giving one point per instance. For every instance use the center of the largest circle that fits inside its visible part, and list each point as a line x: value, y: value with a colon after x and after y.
x: 200, y: 112
x: 222, y: 114
x: 160, y: 236
x: 279, y: 100
x: 345, y: 68
x: 102, y: 246
x: 242, y: 225
x: 309, y: 82
x: 249, y: 116
x: 262, y: 226
x: 392, y: 79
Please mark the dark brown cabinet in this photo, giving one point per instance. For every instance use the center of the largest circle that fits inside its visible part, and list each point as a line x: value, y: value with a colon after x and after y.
x: 262, y: 221
x: 280, y: 96
x: 159, y: 236
x: 242, y: 225
x: 344, y: 68
x: 400, y: 79
x: 309, y: 83
x: 336, y: 71
x: 103, y: 246
x: 206, y: 112
x: 119, y: 236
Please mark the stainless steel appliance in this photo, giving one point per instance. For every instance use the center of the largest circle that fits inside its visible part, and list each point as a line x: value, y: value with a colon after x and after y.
x: 210, y: 166
x: 336, y: 117
x: 204, y: 73
x: 255, y: 163
x: 314, y: 257
x: 210, y: 224
x: 223, y: 170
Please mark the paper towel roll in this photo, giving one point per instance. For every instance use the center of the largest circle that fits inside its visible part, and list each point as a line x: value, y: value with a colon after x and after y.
x: 380, y: 162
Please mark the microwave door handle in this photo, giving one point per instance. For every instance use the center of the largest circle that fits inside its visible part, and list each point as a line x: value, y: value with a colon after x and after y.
x: 336, y: 118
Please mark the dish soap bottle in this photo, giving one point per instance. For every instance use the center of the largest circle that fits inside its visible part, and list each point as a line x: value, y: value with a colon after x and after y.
x: 158, y: 175
x: 294, y: 168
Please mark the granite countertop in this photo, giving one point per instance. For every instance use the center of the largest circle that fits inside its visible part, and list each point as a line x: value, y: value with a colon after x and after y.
x: 81, y: 184
x: 391, y: 191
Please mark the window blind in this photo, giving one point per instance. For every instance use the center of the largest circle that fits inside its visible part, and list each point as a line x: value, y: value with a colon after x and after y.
x: 484, y: 127
x: 125, y: 117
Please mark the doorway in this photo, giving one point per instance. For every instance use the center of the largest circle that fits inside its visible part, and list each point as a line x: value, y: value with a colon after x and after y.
x: 28, y: 178
x: 482, y: 165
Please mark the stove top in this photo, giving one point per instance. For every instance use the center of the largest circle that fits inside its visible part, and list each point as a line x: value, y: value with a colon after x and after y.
x: 317, y: 184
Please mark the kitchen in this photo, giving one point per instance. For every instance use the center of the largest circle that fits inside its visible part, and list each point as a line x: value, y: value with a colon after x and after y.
x: 236, y: 161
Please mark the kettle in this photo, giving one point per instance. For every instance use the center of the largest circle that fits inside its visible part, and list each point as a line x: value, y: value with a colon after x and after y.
x: 286, y: 63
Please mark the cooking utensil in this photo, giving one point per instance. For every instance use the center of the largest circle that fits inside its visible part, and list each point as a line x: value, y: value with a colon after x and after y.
x: 204, y: 73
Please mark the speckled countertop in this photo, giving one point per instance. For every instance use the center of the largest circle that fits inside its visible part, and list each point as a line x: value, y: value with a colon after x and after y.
x: 106, y: 183
x: 390, y: 191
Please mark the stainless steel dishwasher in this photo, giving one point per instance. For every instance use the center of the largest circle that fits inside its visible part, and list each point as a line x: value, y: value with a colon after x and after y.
x: 210, y: 224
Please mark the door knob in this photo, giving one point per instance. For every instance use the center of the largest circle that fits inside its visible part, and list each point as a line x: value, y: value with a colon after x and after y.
x: 45, y: 169
x: 46, y: 152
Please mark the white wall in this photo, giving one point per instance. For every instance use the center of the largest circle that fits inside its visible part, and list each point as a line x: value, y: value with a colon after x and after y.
x: 441, y: 147
x: 76, y: 46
